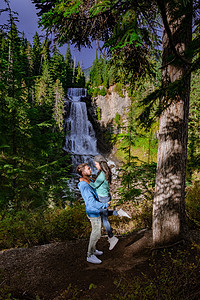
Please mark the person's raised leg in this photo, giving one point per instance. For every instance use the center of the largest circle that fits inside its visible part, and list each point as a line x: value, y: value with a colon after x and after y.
x: 122, y: 213
x: 106, y: 223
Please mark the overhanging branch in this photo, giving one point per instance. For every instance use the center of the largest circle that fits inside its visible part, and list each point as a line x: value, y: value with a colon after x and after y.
x: 162, y: 8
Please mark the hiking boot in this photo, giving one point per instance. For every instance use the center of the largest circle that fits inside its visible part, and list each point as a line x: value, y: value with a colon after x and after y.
x: 122, y: 213
x: 97, y: 252
x: 113, y: 241
x: 93, y: 259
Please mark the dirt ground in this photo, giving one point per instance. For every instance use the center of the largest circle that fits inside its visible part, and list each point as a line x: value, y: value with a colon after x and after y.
x: 59, y: 271
x: 47, y: 271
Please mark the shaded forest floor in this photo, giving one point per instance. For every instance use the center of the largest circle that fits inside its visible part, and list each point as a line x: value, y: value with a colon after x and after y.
x: 60, y: 271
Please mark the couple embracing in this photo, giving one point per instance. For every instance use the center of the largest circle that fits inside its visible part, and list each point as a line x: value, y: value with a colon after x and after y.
x: 97, y: 198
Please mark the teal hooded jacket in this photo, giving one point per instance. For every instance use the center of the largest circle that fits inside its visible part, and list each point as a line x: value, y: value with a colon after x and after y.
x: 101, y: 185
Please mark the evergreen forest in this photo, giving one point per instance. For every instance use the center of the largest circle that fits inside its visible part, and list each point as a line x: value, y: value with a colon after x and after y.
x: 37, y: 204
x: 34, y: 83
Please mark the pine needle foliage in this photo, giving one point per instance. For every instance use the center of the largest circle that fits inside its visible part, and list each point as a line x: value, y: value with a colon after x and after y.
x: 33, y: 166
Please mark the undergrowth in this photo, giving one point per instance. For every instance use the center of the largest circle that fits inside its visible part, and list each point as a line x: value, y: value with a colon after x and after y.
x: 193, y: 204
x: 171, y: 275
x: 28, y: 228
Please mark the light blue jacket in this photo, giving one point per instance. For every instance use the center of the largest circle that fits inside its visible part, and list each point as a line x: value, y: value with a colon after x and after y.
x: 92, y: 203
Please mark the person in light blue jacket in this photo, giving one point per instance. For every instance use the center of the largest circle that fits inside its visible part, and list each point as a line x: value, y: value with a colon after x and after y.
x: 93, y: 211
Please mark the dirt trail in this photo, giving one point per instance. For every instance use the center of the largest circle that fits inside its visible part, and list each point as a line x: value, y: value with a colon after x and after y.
x: 45, y: 271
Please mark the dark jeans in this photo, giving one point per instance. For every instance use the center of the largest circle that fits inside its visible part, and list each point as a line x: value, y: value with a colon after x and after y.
x: 105, y: 213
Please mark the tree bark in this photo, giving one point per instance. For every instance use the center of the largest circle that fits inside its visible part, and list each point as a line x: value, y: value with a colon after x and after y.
x: 169, y: 225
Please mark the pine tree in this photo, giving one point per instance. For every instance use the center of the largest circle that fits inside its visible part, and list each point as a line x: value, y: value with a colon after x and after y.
x: 14, y: 124
x: 96, y: 72
x: 80, y: 78
x: 59, y: 104
x: 36, y: 55
x: 68, y: 72
x: 31, y: 140
x: 68, y: 58
x: 46, y: 51
x: 44, y: 87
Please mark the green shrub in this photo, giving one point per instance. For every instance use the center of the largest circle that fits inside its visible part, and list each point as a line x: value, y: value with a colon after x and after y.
x: 69, y: 223
x: 192, y: 202
x: 169, y: 276
x: 137, y: 181
x: 25, y: 228
x: 96, y: 92
x: 103, y: 91
x: 119, y: 89
x: 98, y: 113
x: 143, y: 214
x: 22, y: 229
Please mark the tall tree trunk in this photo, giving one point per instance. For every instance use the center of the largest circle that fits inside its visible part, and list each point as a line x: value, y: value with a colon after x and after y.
x: 169, y: 223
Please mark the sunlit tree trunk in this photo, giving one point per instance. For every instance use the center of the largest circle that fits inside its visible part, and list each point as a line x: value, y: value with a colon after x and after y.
x: 169, y: 224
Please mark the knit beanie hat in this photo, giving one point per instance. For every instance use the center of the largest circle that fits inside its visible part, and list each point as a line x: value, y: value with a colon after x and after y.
x: 99, y: 158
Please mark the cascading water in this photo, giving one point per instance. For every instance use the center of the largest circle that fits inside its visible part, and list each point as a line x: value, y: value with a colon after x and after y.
x: 80, y: 135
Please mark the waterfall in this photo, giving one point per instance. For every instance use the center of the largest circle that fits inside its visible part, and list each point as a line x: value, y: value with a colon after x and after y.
x: 80, y: 135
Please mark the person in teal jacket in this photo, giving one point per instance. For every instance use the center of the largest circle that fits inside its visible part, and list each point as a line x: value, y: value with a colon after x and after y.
x: 93, y: 211
x: 101, y: 185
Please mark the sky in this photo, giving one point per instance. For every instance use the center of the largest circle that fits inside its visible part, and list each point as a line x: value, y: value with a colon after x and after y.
x: 27, y: 15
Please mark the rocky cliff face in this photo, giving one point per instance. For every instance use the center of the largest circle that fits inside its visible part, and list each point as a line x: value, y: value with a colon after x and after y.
x: 108, y: 106
x: 102, y: 111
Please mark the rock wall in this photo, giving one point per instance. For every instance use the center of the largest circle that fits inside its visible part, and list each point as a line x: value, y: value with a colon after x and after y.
x: 101, y: 113
x: 110, y: 105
